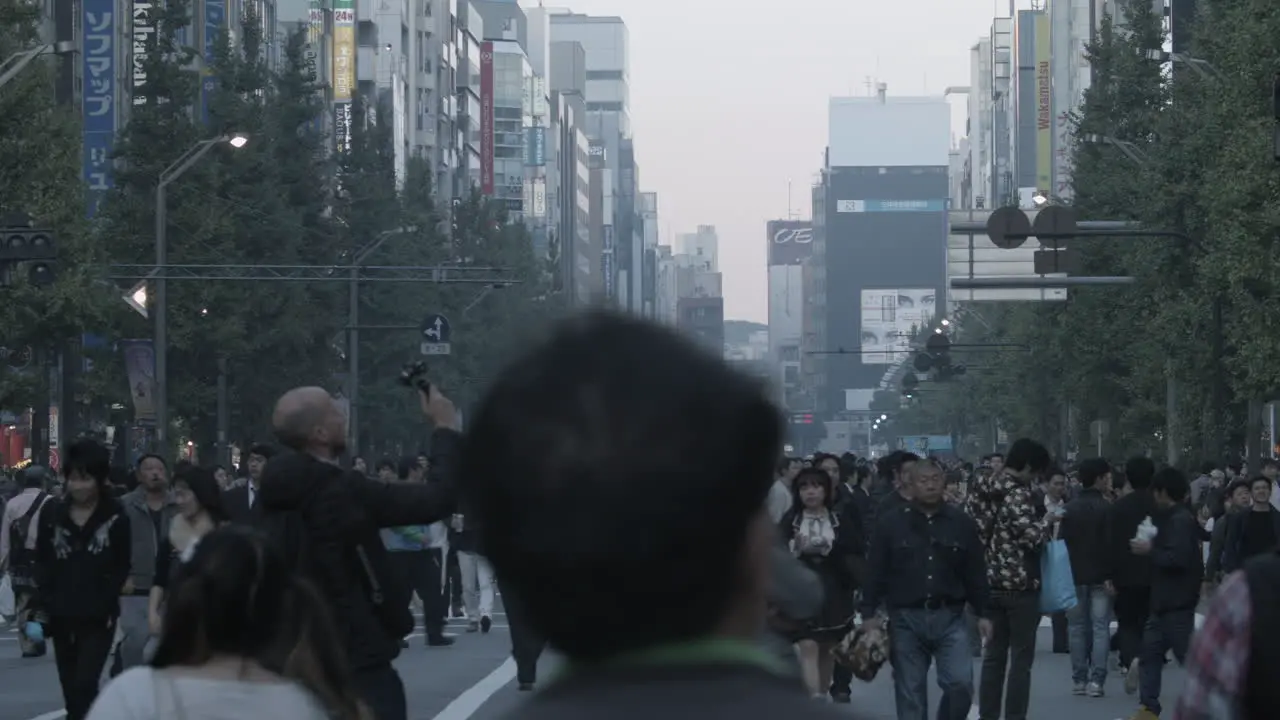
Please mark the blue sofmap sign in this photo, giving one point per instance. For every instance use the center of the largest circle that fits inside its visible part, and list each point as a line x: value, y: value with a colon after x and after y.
x: 215, y: 17
x: 99, y: 96
x: 868, y: 206
x: 535, y: 146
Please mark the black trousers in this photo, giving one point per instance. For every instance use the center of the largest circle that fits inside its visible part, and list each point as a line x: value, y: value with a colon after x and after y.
x: 1133, y: 605
x: 526, y: 643
x: 1006, y: 662
x: 419, y: 572
x: 80, y: 649
x: 841, y: 680
x: 382, y: 690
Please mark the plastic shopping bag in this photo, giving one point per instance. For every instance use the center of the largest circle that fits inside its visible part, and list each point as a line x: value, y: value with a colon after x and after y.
x: 7, y: 603
x: 1057, y: 586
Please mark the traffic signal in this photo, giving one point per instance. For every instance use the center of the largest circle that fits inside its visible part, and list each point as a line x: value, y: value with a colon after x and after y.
x: 936, y: 358
x: 33, y: 247
x: 909, y: 384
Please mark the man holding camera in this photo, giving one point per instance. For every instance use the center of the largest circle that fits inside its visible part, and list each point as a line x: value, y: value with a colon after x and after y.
x: 327, y: 520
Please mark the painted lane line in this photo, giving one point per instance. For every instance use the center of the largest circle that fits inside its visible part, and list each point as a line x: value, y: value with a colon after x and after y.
x: 466, y: 704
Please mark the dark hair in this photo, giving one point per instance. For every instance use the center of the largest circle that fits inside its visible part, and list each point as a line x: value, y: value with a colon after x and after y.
x: 33, y: 476
x: 147, y: 456
x: 235, y: 596
x: 266, y: 452
x: 1270, y: 462
x: 1207, y: 467
x: 616, y: 468
x: 204, y: 486
x: 1028, y: 455
x: 807, y: 476
x: 1091, y: 471
x: 1172, y: 482
x: 385, y: 464
x: 1139, y: 471
x: 1237, y: 485
x: 1257, y: 479
x: 88, y: 457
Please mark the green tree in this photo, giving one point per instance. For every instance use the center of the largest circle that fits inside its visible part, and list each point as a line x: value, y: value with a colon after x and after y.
x: 40, y: 151
x: 261, y: 204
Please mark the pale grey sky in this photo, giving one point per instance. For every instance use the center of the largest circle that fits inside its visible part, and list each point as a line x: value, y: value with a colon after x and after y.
x: 729, y: 101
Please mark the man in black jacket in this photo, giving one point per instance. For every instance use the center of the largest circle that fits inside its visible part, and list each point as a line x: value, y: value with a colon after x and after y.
x: 1177, y: 566
x: 242, y: 502
x: 1131, y: 574
x: 1252, y: 532
x: 328, y: 519
x: 1084, y: 528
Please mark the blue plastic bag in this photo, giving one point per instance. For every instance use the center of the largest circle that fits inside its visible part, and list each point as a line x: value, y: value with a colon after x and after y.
x: 1057, y: 586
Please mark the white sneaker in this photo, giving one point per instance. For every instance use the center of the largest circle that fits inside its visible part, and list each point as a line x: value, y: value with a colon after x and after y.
x: 1078, y: 688
x: 1131, y: 678
x: 1094, y: 690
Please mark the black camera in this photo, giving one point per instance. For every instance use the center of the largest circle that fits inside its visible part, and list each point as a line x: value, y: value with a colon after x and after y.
x: 414, y: 375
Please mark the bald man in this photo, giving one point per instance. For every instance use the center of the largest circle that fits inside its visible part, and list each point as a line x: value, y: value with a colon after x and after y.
x: 327, y: 520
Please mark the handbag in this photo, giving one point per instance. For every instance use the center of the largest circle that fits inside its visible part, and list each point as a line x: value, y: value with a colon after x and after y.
x: 1057, y: 586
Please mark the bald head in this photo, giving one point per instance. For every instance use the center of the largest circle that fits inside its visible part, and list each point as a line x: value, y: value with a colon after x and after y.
x: 299, y: 413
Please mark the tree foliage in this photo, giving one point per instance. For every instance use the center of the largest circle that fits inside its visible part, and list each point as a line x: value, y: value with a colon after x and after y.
x: 1203, y: 168
x: 41, y: 157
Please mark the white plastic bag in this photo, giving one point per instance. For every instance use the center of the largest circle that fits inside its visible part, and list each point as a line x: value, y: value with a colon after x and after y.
x: 1146, y: 530
x: 7, y: 603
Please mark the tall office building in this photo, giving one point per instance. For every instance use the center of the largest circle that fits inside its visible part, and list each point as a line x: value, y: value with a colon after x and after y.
x: 884, y: 235
x: 788, y: 244
x: 605, y: 44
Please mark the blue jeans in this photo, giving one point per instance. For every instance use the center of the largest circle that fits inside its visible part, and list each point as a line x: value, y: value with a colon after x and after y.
x: 1089, y: 634
x: 918, y: 637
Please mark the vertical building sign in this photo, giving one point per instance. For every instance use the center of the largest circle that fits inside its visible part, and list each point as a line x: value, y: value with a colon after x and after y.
x: 344, y: 70
x: 535, y: 146
x: 1044, y: 106
x: 99, y: 98
x: 606, y: 262
x: 215, y: 19
x: 486, y: 118
x: 144, y: 32
x: 315, y: 38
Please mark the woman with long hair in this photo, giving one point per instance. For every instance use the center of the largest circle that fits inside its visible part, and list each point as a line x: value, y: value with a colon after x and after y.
x: 200, y: 512
x: 242, y: 637
x: 816, y: 533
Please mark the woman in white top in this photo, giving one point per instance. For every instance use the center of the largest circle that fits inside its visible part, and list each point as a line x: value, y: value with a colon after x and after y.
x: 242, y: 637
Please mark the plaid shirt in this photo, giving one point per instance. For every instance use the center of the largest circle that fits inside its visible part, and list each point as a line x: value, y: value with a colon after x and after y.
x: 1218, y: 662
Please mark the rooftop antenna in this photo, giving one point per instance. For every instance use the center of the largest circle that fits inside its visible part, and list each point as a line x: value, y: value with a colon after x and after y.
x: 869, y: 84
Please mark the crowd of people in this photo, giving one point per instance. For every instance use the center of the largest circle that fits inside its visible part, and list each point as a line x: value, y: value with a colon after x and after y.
x: 624, y: 488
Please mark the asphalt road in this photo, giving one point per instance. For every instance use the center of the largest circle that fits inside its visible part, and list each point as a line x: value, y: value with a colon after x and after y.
x: 474, y: 680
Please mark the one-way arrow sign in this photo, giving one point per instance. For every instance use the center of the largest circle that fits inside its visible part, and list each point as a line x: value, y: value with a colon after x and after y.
x: 437, y: 335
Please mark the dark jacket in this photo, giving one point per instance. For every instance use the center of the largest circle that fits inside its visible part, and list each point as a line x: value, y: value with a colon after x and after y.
x: 856, y: 505
x: 1127, y: 513
x: 1084, y: 528
x: 678, y: 688
x: 1177, y: 562
x: 80, y: 569
x: 236, y: 503
x: 1213, y: 566
x: 339, y: 514
x: 1233, y: 539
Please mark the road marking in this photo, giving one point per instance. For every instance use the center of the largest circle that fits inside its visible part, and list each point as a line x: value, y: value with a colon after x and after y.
x: 55, y: 715
x: 1046, y: 622
x: 466, y: 704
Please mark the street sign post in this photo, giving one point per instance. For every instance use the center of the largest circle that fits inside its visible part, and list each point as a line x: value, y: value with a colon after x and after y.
x: 437, y: 335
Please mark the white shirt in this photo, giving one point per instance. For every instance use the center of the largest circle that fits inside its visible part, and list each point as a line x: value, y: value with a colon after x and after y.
x: 779, y: 501
x: 142, y: 693
x: 437, y: 535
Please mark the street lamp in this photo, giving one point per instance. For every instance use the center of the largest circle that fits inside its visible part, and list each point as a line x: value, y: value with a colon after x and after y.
x: 1135, y: 154
x: 1200, y: 67
x: 353, y: 332
x: 18, y: 61
x: 170, y: 174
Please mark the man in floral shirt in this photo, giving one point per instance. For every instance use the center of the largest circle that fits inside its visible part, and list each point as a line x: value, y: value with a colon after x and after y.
x: 1013, y: 528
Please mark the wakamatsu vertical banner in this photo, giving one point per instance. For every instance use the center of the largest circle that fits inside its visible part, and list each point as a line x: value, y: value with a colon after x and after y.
x: 344, y: 70
x: 486, y: 118
x: 1044, y: 105
x: 99, y: 98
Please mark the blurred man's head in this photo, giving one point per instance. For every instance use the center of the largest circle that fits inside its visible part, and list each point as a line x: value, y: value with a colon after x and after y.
x: 926, y: 482
x: 258, y: 457
x: 308, y: 419
x: 620, y: 474
x: 1027, y: 459
x: 153, y: 473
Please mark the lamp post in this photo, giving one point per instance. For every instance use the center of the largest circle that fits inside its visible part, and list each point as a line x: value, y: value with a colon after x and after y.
x: 1203, y: 68
x: 175, y: 170
x: 17, y: 62
x: 353, y: 333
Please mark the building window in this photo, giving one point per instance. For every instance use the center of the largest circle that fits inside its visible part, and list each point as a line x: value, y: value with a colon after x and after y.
x: 604, y: 75
x: 605, y: 106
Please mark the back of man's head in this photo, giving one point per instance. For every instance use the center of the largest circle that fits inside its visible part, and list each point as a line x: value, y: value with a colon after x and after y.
x: 1138, y: 472
x: 619, y: 473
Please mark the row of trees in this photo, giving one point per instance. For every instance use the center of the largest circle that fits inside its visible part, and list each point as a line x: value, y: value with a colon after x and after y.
x: 283, y: 199
x: 1204, y: 167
